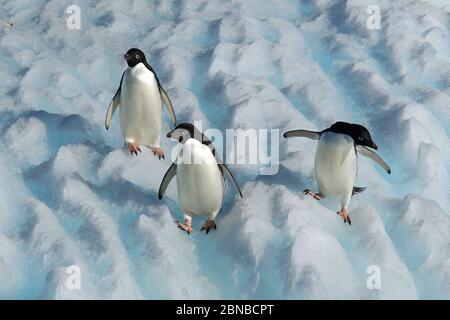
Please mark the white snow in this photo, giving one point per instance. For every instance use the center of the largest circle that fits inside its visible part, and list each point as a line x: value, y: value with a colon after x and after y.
x: 70, y: 194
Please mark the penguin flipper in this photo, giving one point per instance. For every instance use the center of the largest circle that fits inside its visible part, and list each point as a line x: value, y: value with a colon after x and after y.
x: 111, y: 109
x: 166, y: 180
x: 168, y: 103
x: 113, y: 105
x: 227, y: 171
x: 313, y: 135
x: 375, y: 157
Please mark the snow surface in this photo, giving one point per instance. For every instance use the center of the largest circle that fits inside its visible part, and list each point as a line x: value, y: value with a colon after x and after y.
x: 71, y: 195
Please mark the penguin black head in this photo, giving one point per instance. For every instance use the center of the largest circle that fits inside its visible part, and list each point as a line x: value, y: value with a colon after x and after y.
x: 359, y: 133
x: 134, y: 56
x: 185, y: 131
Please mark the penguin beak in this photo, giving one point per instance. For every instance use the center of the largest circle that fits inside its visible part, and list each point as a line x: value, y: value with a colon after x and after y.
x: 126, y: 56
x: 374, y: 146
x: 169, y: 135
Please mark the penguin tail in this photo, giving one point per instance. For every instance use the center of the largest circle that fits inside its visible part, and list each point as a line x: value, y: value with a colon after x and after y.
x: 357, y: 190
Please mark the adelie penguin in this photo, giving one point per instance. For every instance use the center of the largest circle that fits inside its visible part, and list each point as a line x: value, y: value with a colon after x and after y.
x: 140, y: 97
x: 200, y: 177
x: 336, y: 162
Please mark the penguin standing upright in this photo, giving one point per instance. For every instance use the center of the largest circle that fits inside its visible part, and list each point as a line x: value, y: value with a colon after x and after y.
x: 200, y: 178
x: 336, y: 161
x: 140, y: 96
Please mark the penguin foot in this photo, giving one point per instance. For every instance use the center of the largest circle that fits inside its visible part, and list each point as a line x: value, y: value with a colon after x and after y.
x: 134, y: 148
x: 344, y: 214
x: 209, y: 224
x: 185, y: 227
x: 317, y: 196
x: 158, y: 152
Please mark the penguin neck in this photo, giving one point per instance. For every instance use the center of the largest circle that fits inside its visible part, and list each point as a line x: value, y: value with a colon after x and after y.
x: 337, y: 140
x: 139, y: 65
x: 191, y: 141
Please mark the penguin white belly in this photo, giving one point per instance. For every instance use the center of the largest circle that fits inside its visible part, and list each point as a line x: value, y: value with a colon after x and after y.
x: 200, y: 185
x: 336, y: 164
x: 140, y: 107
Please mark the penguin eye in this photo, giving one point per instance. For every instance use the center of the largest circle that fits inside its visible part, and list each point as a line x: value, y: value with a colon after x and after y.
x: 360, y: 138
x: 184, y: 133
x: 137, y: 56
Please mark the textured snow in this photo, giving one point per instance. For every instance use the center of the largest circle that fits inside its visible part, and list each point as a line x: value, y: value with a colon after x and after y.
x: 71, y: 195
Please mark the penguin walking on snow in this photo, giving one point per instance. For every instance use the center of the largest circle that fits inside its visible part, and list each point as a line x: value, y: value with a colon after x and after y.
x: 140, y: 96
x: 200, y: 177
x: 336, y: 162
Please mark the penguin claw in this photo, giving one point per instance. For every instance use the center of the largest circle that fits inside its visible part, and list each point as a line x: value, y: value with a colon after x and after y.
x: 209, y: 224
x: 317, y: 196
x: 158, y: 152
x: 344, y: 215
x: 184, y: 227
x: 133, y: 148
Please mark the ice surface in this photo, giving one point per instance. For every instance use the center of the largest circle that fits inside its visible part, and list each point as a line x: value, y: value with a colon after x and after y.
x: 72, y: 195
